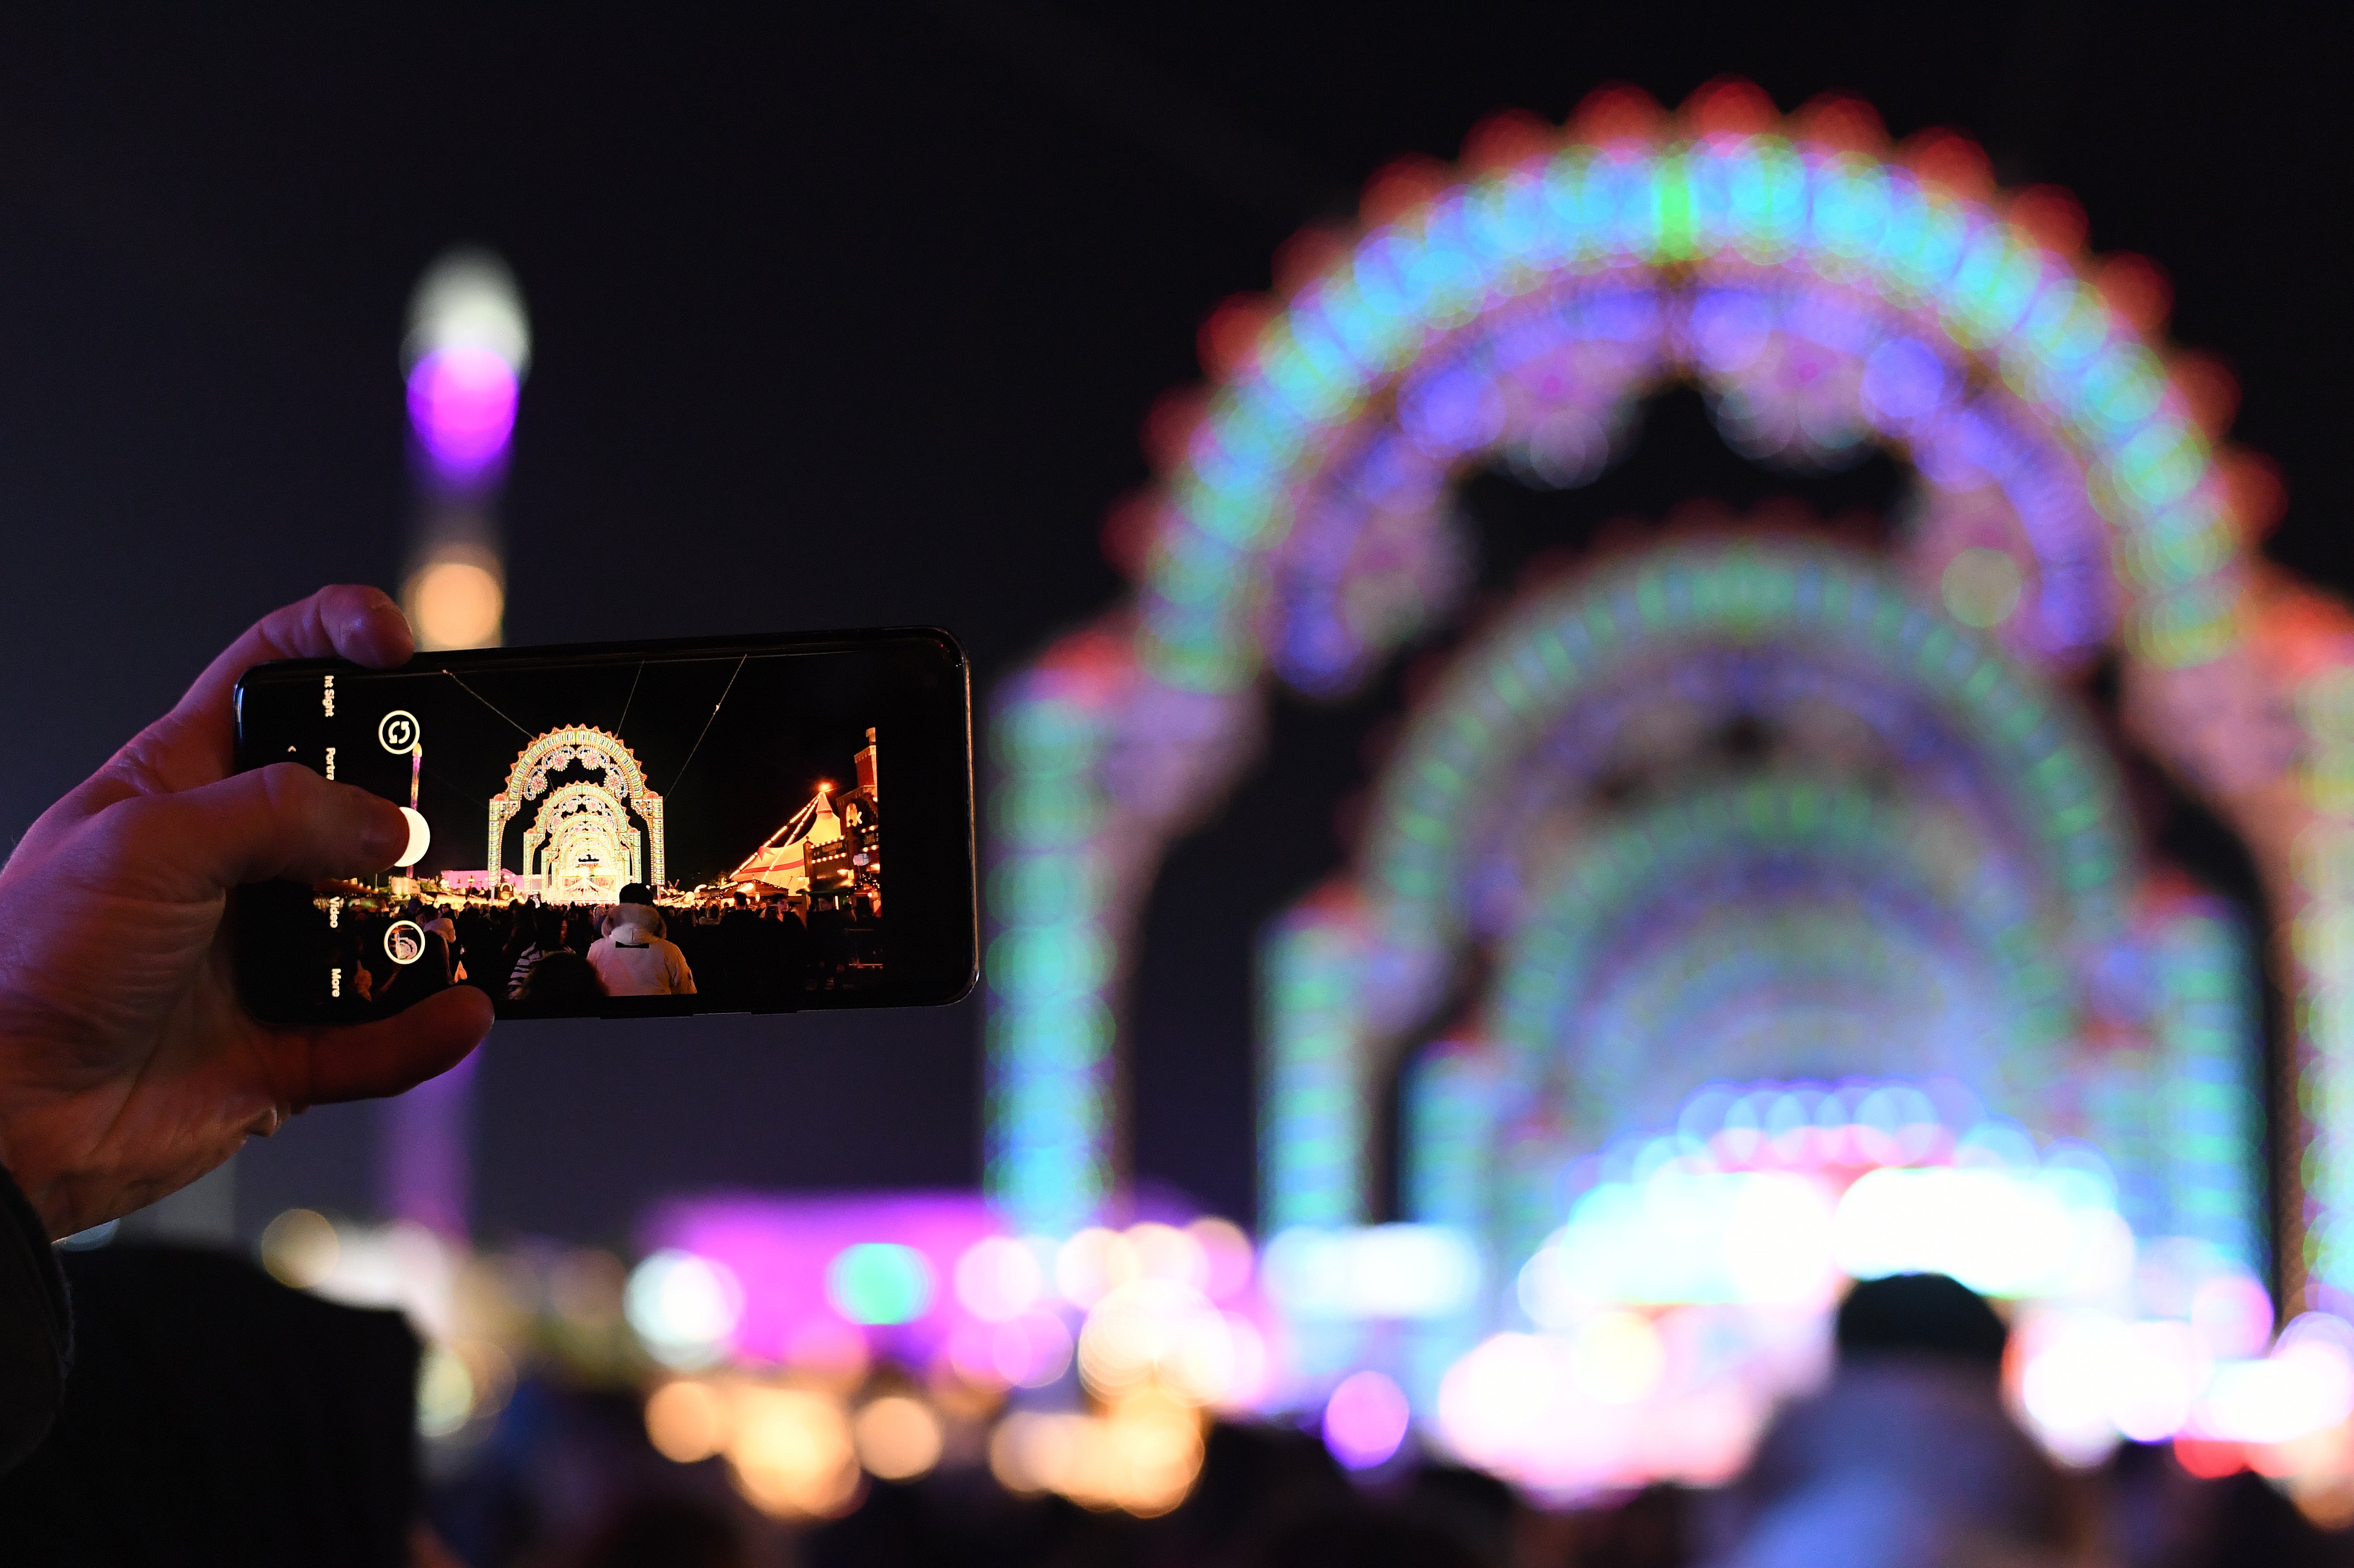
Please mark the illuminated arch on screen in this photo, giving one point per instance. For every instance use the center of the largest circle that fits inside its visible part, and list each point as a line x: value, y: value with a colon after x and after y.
x: 592, y: 750
x: 577, y: 809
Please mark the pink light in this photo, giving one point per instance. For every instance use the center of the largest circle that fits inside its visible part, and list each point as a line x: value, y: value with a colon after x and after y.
x: 1365, y: 1420
x: 1030, y: 1350
x: 2209, y: 1459
x: 780, y: 1250
x: 462, y: 401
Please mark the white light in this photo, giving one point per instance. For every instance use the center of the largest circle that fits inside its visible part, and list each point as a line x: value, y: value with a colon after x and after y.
x: 1778, y: 1242
x: 1093, y: 1263
x: 999, y: 1277
x: 1132, y: 1331
x: 468, y: 299
x: 420, y: 836
x: 1221, y: 1362
x: 2064, y: 1387
x: 683, y: 1306
x: 2158, y: 1370
x: 1682, y: 1236
x: 404, y: 1266
x: 2090, y: 1378
x: 2233, y: 1314
x: 1402, y: 1271
x: 1412, y: 1271
x: 1164, y: 1251
x: 2304, y: 1385
x: 1499, y: 1401
x: 1997, y: 1232
x: 1618, y: 1359
x: 1306, y: 1271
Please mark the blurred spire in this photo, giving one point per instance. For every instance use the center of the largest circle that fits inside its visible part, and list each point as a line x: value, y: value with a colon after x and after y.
x: 467, y: 350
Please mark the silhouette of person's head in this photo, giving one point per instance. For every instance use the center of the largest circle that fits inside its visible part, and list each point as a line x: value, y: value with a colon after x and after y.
x: 1920, y: 1315
x: 562, y: 979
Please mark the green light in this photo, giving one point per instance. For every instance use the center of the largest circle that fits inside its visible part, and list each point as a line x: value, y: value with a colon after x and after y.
x: 879, y: 1283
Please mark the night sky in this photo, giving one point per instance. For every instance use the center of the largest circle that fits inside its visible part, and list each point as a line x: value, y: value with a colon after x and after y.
x: 848, y: 321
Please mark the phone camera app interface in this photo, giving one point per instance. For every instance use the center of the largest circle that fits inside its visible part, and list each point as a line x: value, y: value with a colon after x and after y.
x: 692, y: 826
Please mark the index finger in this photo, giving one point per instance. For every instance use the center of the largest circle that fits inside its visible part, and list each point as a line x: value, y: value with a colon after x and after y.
x: 195, y: 743
x: 363, y: 1060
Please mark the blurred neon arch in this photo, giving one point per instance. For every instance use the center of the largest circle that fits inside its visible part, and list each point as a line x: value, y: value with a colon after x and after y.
x: 1827, y: 824
x: 1595, y: 629
x: 1124, y: 732
x: 1623, y: 205
x: 1567, y: 1088
x: 1358, y: 965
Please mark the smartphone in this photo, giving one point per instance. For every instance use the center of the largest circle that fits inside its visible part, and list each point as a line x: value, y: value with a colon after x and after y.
x: 630, y: 829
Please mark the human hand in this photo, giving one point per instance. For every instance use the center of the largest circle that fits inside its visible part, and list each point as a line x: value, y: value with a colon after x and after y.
x: 128, y: 1066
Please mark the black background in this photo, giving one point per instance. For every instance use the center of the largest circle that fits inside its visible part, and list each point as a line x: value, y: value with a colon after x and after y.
x: 845, y: 321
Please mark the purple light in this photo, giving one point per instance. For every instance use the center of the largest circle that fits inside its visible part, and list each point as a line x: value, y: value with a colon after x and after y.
x: 1904, y: 379
x: 462, y: 401
x: 1365, y: 1420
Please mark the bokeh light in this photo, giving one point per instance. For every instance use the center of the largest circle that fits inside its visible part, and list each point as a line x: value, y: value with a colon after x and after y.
x: 467, y: 349
x: 1142, y: 1457
x: 462, y: 401
x: 898, y: 1437
x: 1365, y: 1420
x: 684, y: 1307
x: 300, y: 1248
x: 456, y: 603
x: 789, y: 1453
x: 687, y: 1420
x: 999, y: 1277
x: 879, y: 1283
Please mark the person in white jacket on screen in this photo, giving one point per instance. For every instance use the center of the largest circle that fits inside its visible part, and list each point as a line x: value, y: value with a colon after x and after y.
x: 634, y: 958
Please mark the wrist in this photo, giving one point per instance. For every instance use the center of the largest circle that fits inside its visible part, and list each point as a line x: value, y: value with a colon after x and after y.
x: 43, y: 1191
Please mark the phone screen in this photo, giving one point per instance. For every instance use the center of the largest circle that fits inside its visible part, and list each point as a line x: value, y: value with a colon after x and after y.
x: 645, y: 829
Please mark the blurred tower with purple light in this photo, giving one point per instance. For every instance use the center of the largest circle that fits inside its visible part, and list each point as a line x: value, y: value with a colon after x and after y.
x: 467, y: 351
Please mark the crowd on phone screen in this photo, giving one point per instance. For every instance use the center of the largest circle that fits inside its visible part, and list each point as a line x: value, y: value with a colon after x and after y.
x: 561, y: 956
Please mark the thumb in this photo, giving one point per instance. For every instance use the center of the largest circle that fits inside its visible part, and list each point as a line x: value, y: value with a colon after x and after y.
x: 282, y: 820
